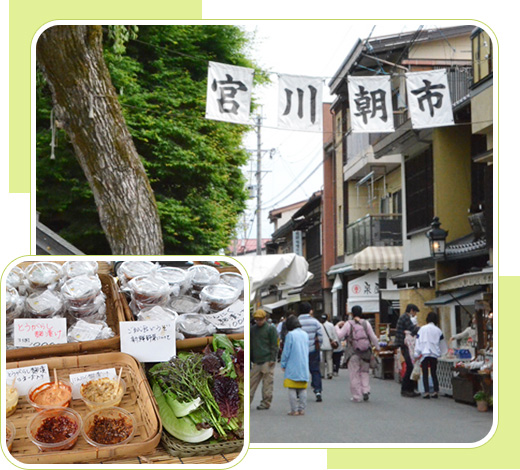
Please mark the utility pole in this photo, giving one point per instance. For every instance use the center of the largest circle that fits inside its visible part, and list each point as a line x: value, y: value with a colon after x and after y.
x: 259, y: 185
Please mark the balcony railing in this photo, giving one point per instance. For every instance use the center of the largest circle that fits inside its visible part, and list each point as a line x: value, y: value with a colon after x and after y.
x: 374, y: 230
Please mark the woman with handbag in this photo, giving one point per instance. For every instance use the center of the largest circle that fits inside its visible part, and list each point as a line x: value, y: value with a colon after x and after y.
x: 360, y: 339
x: 330, y: 343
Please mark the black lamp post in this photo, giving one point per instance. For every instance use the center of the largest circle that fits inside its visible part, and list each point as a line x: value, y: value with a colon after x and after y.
x: 437, y: 237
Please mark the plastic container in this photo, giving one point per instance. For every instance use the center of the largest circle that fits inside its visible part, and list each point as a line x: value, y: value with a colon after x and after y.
x: 103, y: 393
x: 10, y: 434
x: 62, y: 427
x: 185, y: 304
x: 202, y: 276
x: 81, y: 291
x: 11, y: 400
x: 217, y: 297
x: 195, y: 325
x: 177, y: 278
x: 149, y: 290
x: 47, y: 395
x: 232, y: 279
x: 98, y: 427
x: 41, y: 275
x: 80, y: 268
x: 44, y: 304
x: 130, y: 269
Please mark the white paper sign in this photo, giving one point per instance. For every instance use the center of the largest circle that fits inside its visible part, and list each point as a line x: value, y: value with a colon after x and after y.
x: 370, y: 101
x: 83, y: 377
x: 229, y: 92
x: 231, y: 318
x: 300, y: 103
x: 148, y: 341
x: 26, y: 377
x: 429, y: 99
x: 32, y: 332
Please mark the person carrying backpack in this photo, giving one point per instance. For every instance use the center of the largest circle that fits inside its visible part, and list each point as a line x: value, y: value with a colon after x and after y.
x: 360, y: 337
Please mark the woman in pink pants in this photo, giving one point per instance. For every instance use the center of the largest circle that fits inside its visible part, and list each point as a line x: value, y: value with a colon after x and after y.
x: 361, y: 336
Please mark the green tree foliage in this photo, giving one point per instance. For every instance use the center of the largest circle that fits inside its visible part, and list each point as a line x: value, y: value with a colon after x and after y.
x: 193, y: 164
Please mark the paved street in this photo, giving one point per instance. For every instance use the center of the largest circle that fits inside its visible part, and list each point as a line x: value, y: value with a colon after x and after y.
x: 385, y: 418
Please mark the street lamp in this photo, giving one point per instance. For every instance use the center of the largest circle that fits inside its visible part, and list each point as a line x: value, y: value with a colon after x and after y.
x: 437, y: 237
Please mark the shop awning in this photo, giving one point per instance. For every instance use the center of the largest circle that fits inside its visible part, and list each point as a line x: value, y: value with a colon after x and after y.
x: 281, y: 303
x: 424, y: 276
x: 479, y: 278
x: 374, y: 258
x: 339, y: 269
x: 457, y: 296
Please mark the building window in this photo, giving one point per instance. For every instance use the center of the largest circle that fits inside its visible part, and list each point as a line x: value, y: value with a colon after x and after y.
x: 482, y: 52
x: 419, y: 190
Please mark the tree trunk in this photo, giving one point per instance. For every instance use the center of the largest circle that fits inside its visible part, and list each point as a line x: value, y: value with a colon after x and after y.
x: 86, y: 107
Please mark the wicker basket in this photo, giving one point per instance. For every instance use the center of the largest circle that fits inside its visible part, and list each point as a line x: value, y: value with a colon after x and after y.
x: 178, y: 448
x: 115, y: 314
x: 138, y: 399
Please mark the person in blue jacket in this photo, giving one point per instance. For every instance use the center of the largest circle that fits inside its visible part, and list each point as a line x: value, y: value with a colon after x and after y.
x: 295, y: 364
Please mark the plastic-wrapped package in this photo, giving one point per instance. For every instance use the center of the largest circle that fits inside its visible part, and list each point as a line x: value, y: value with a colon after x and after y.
x: 80, y: 268
x: 202, y: 276
x: 194, y: 325
x: 232, y: 279
x: 44, y: 304
x: 96, y: 311
x: 43, y: 275
x: 130, y: 269
x: 217, y: 297
x: 81, y: 291
x: 178, y: 279
x: 157, y: 313
x: 85, y: 331
x: 185, y: 304
x: 15, y: 278
x: 14, y: 304
x: 149, y: 290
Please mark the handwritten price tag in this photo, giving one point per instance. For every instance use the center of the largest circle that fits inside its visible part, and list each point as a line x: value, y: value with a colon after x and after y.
x: 26, y: 377
x: 83, y: 377
x: 148, y: 341
x: 32, y: 332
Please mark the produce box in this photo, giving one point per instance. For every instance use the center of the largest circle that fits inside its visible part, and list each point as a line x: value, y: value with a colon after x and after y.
x: 138, y: 400
x: 114, y: 313
x: 185, y: 376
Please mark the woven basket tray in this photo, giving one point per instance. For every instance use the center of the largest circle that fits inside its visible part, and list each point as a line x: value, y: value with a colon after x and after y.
x: 178, y: 448
x: 138, y: 400
x: 115, y: 314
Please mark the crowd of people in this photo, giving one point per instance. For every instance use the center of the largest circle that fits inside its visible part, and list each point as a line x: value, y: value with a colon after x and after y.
x: 310, y: 348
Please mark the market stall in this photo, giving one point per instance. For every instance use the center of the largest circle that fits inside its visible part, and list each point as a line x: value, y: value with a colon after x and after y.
x: 140, y: 365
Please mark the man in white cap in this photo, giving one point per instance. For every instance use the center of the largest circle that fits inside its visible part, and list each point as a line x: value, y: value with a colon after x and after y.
x: 264, y: 350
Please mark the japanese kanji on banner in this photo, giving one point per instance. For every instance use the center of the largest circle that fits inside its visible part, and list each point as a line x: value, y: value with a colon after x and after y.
x: 300, y: 103
x: 370, y: 100
x: 229, y: 93
x: 429, y: 99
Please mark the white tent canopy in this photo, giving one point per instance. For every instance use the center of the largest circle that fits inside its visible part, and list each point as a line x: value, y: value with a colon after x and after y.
x: 285, y: 271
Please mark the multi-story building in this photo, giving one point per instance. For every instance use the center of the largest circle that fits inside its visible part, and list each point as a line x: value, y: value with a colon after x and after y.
x: 389, y: 187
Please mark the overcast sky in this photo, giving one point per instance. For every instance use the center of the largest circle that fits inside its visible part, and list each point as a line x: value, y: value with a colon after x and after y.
x: 314, y: 48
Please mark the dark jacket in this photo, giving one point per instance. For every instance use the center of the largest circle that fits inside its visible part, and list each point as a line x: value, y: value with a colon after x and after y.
x: 264, y: 343
x: 403, y: 324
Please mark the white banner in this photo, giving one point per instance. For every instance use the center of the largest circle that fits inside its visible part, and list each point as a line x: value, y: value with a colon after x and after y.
x: 429, y: 99
x: 229, y: 93
x: 300, y: 103
x: 370, y: 101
